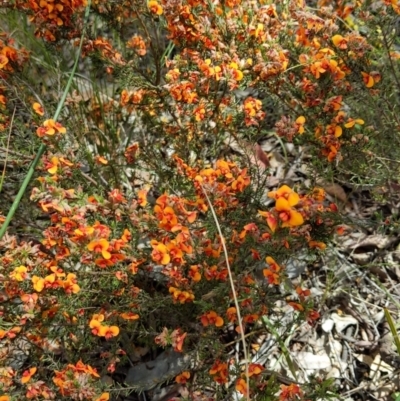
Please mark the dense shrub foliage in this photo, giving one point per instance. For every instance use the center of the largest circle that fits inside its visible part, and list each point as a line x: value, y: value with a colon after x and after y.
x: 117, y: 245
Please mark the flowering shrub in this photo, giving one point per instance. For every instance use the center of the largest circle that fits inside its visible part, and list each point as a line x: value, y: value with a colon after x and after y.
x: 132, y: 184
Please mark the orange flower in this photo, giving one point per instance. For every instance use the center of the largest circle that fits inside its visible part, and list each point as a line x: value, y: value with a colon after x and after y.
x: 231, y: 314
x: 335, y: 130
x: 154, y: 7
x: 241, y: 386
x: 340, y: 42
x: 100, y: 246
x: 129, y: 316
x: 38, y: 108
x: 317, y: 244
x: 300, y: 121
x: 194, y: 273
x: 289, y: 216
x: 272, y: 273
x: 20, y: 273
x: 352, y: 122
x: 108, y: 331
x: 160, y: 253
x: 103, y: 397
x: 50, y: 128
x: 237, y: 74
x: 368, y: 79
x: 183, y: 377
x: 70, y: 284
x: 271, y: 220
x: 287, y: 193
x: 211, y: 318
x: 142, y: 197
x: 220, y: 372
x: 38, y: 283
x: 255, y: 369
x: 166, y: 216
x: 101, y: 160
x: 26, y: 376
x: 95, y: 323
x: 289, y: 392
x: 317, y: 68
x: 52, y: 166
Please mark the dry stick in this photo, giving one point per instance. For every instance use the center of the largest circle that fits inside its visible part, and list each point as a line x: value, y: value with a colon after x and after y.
x: 42, y: 147
x: 233, y: 292
x: 7, y: 151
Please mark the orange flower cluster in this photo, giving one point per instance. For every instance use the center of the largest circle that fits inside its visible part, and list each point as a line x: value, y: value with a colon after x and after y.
x: 76, y: 381
x: 137, y: 43
x: 272, y: 273
x: 56, y: 164
x: 96, y: 237
x: 50, y: 15
x: 252, y: 111
x: 101, y: 330
x: 10, y: 57
x: 254, y: 371
x: 54, y: 281
x: 290, y: 393
x: 219, y: 372
x: 211, y: 319
x: 223, y: 182
x: 181, y: 296
x: 284, y: 213
x: 105, y: 48
x: 298, y: 213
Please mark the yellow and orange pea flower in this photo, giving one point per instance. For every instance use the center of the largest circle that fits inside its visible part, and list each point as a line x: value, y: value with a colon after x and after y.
x: 317, y: 244
x: 129, y: 316
x: 271, y: 220
x: 20, y: 273
x: 108, y: 331
x: 255, y: 369
x: 103, y: 397
x: 370, y: 79
x: 70, y: 284
x: 27, y: 374
x: 289, y: 217
x: 287, y: 193
x: 212, y: 319
x: 241, y: 386
x: 38, y: 108
x: 300, y: 121
x: 160, y: 253
x: 100, y: 246
x: 340, y: 42
x: 50, y: 128
x: 352, y: 122
x: 220, y: 372
x: 155, y: 7
x: 183, y: 377
x: 101, y: 160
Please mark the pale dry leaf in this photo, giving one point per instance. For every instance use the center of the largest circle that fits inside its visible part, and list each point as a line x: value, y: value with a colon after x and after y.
x: 336, y: 191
